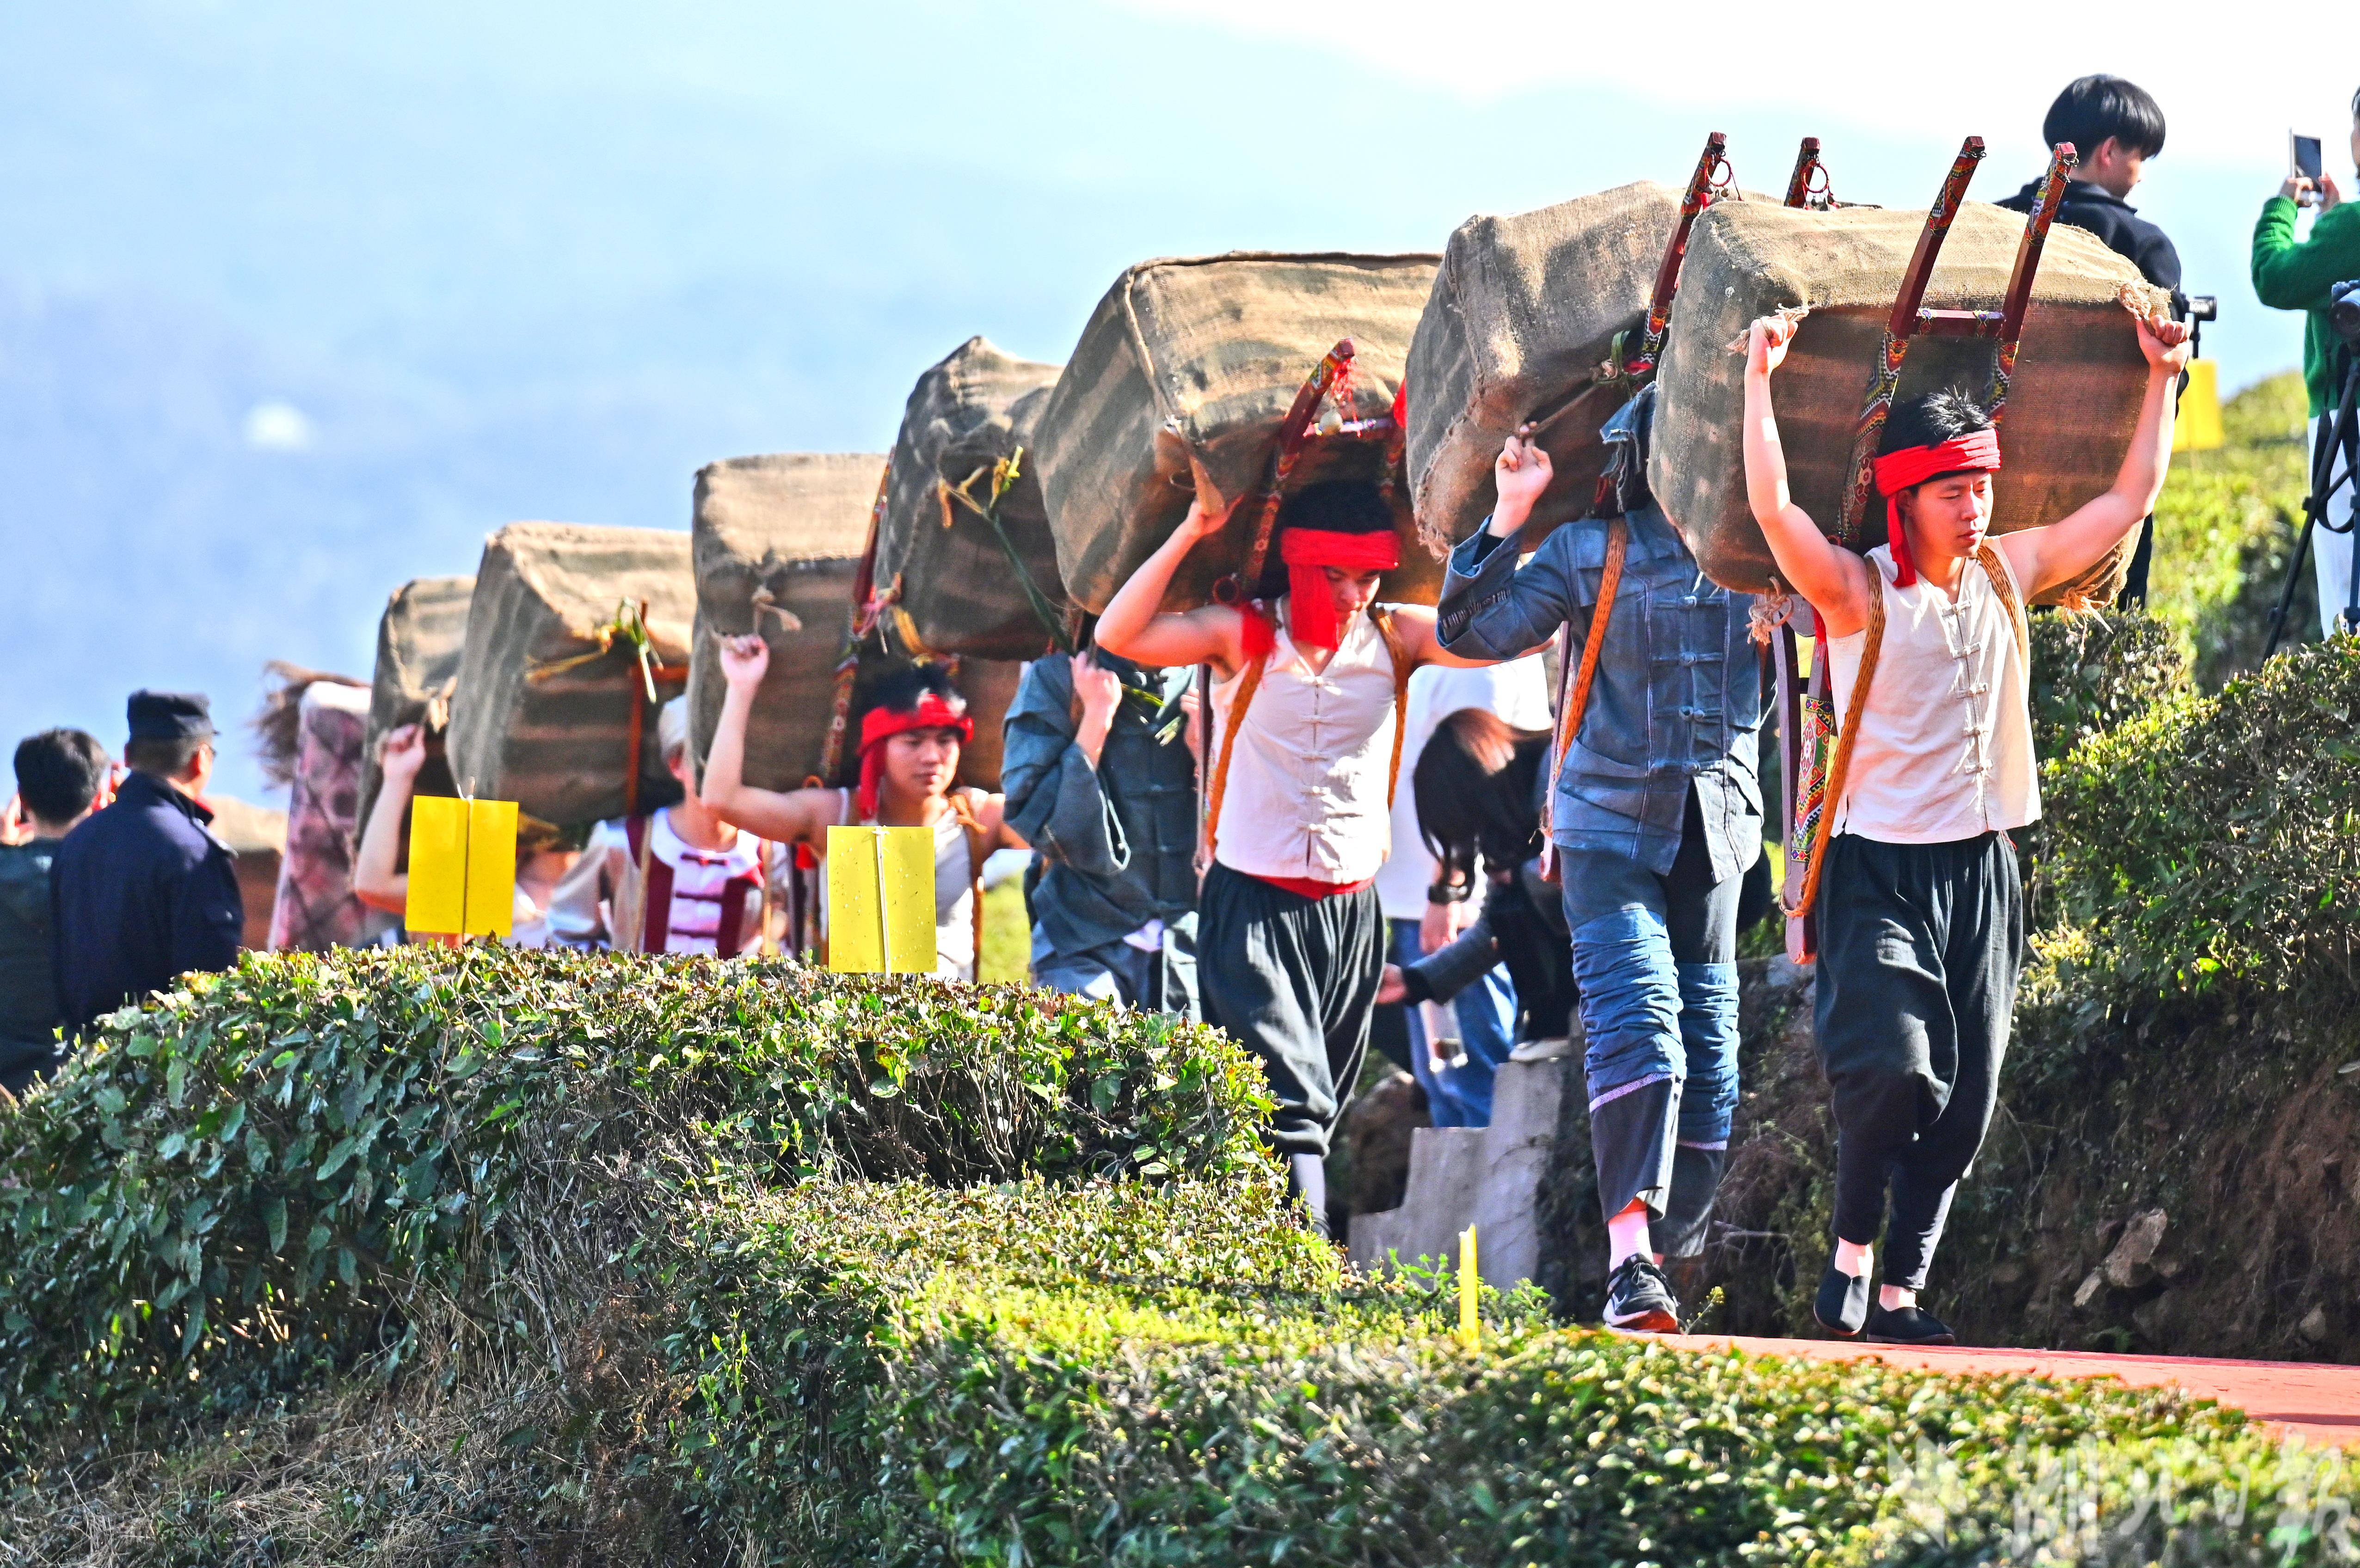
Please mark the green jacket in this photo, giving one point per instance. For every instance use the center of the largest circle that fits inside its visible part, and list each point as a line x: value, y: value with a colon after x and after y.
x: 2295, y: 277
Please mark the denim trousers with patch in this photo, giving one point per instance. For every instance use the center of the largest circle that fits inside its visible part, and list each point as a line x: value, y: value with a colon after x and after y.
x: 1657, y: 960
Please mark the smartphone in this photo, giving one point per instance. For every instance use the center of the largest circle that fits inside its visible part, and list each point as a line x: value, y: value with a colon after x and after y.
x: 2303, y: 155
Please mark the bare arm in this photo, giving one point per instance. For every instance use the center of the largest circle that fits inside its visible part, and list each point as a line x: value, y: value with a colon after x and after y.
x: 374, y: 881
x: 783, y: 816
x: 1415, y: 624
x: 1832, y: 579
x: 2043, y: 557
x: 1134, y: 627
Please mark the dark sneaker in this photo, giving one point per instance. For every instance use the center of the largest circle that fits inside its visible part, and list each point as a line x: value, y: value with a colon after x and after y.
x: 1908, y: 1325
x: 1639, y: 1299
x: 1843, y: 1305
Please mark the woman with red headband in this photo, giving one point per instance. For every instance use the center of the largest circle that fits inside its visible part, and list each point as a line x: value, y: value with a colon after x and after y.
x: 1920, y: 910
x: 910, y: 743
x: 1290, y: 934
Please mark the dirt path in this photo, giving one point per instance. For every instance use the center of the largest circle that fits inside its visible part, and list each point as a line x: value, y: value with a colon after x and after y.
x: 2320, y: 1402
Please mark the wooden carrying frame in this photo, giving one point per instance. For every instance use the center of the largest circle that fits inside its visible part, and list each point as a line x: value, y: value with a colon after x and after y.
x: 1909, y: 319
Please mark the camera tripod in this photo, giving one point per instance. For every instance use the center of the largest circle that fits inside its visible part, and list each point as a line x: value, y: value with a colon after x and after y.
x: 2339, y: 436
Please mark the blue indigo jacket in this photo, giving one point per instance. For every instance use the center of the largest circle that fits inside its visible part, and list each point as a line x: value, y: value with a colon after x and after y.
x: 139, y: 894
x: 1118, y: 841
x: 1676, y: 701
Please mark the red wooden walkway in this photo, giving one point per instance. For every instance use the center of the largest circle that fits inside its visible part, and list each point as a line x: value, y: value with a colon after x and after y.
x: 2320, y: 1402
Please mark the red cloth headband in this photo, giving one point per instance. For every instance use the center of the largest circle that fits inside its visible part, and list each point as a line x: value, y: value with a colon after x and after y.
x: 880, y: 724
x: 1897, y: 471
x: 1306, y: 551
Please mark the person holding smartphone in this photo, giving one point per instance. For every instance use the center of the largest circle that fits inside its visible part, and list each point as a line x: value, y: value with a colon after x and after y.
x: 2296, y: 275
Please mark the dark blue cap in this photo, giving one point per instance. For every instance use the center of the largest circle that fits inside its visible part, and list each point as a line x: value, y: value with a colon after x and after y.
x: 171, y: 716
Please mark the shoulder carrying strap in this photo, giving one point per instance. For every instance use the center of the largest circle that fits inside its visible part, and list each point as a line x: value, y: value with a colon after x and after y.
x: 1840, y: 766
x: 1573, y: 691
x: 974, y: 831
x: 1994, y: 568
x: 1248, y: 681
x: 1402, y: 672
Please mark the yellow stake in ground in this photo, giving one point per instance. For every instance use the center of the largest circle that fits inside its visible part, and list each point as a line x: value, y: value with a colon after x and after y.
x: 1470, y: 1328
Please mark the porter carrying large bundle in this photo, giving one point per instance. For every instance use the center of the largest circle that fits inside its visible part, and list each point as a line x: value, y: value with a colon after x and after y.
x: 780, y: 548
x: 2073, y: 395
x: 1184, y: 378
x: 418, y: 643
x: 576, y: 636
x: 963, y: 546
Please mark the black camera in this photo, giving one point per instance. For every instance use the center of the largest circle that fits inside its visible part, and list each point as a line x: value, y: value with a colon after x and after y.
x: 2343, y: 310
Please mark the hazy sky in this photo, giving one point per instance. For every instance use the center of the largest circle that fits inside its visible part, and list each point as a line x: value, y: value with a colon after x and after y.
x: 301, y: 301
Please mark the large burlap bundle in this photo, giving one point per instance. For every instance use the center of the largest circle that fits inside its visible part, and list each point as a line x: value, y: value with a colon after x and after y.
x: 543, y: 712
x: 418, y: 642
x: 1188, y: 366
x: 784, y: 529
x: 948, y: 569
x: 2071, y: 407
x: 1523, y: 313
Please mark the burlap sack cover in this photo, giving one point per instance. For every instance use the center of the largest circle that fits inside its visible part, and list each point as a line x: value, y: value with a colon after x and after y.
x: 792, y: 526
x: 1189, y: 365
x: 315, y: 908
x: 1523, y: 314
x: 418, y: 642
x: 948, y: 570
x: 540, y: 717
x: 2071, y: 406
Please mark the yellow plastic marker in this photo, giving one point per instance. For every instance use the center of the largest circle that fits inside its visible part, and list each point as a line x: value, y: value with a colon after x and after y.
x: 491, y: 867
x: 2198, y: 429
x: 1470, y: 1328
x: 462, y: 867
x: 881, y: 901
x: 438, y: 864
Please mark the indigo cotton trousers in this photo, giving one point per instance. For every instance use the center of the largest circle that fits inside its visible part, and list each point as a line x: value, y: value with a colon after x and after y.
x: 1294, y: 980
x: 1657, y: 960
x: 1920, y: 949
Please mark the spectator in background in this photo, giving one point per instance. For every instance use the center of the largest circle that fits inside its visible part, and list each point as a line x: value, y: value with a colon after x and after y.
x: 676, y: 880
x: 2115, y: 128
x: 2295, y: 274
x: 141, y: 893
x: 1457, y: 1040
x: 1099, y: 773
x: 60, y: 774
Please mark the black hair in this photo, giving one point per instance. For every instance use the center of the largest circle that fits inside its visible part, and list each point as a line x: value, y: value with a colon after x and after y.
x: 164, y: 758
x: 902, y: 689
x: 2096, y: 107
x: 1475, y: 788
x: 59, y: 772
x: 1337, y: 506
x: 1932, y: 417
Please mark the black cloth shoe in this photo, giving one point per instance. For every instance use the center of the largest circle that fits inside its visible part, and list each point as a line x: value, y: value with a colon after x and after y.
x: 1639, y: 1299
x: 1908, y: 1325
x: 1843, y: 1305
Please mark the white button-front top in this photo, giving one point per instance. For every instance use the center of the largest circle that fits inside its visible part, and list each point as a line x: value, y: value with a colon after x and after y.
x: 1305, y: 796
x: 1945, y: 744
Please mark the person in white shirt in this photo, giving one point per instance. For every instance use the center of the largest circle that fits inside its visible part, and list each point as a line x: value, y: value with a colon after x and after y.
x: 1921, y: 927
x: 1426, y: 910
x: 678, y: 879
x: 1290, y: 935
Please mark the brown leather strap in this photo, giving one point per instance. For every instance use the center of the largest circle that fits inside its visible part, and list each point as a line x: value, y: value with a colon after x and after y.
x: 1402, y: 669
x: 1840, y: 766
x: 1249, y: 683
x: 1572, y: 706
x: 1988, y: 558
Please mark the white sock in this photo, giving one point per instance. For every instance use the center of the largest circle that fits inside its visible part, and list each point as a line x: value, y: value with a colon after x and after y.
x: 1857, y: 1258
x: 1626, y: 1234
x: 1893, y: 1297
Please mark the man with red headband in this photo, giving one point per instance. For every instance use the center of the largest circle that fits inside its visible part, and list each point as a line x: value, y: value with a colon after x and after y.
x: 1920, y: 909
x: 910, y: 743
x: 1290, y: 934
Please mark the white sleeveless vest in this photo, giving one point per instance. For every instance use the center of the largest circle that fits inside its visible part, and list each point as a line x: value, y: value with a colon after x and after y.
x: 1305, y: 796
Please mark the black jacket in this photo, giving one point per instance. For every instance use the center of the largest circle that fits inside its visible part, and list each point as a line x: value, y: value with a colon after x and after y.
x: 28, y: 994
x: 2117, y: 223
x: 140, y: 893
